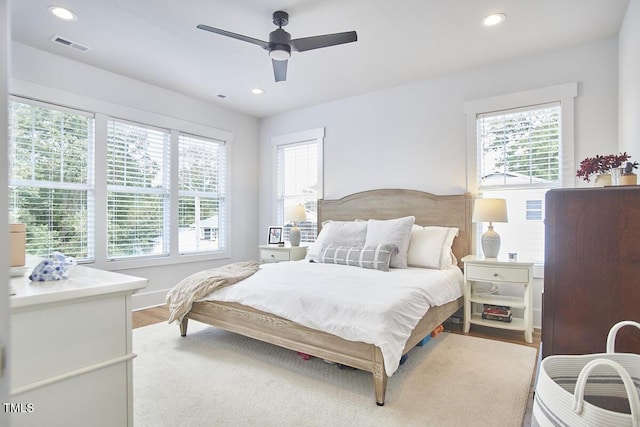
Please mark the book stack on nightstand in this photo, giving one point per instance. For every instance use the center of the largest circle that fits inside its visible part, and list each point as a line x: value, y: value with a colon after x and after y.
x: 498, y: 313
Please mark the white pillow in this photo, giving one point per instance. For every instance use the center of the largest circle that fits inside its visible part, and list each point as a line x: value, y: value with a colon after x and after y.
x: 339, y: 233
x: 430, y: 247
x: 396, y: 231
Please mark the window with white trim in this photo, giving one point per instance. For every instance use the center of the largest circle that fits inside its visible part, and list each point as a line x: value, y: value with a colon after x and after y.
x: 519, y: 160
x: 298, y: 168
x: 523, y: 147
x: 149, y: 205
x: 51, y: 177
x: 138, y: 190
x: 201, y: 213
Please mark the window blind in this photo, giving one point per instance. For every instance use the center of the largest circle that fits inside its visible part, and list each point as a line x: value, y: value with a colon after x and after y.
x: 297, y: 172
x: 137, y: 190
x: 520, y: 147
x: 202, y: 203
x: 50, y: 177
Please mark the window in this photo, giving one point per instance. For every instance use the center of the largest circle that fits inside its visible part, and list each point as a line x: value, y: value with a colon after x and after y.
x: 519, y: 156
x: 201, y: 212
x: 51, y: 178
x: 519, y: 148
x: 137, y: 190
x: 299, y: 179
x: 523, y: 144
x: 153, y: 194
x: 534, y: 210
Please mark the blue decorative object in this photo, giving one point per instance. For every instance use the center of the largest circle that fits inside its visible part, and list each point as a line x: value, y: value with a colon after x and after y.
x: 424, y: 340
x: 54, y: 268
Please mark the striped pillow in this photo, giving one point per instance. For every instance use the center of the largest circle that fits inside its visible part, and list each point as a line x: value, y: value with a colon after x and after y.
x: 375, y: 257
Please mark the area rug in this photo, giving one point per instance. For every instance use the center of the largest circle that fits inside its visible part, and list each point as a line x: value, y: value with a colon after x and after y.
x: 216, y: 378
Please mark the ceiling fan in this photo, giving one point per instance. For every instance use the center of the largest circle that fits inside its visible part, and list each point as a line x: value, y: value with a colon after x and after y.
x: 280, y: 43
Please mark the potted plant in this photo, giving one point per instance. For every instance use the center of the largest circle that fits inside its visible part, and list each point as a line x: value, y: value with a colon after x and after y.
x: 601, y: 167
x: 628, y: 177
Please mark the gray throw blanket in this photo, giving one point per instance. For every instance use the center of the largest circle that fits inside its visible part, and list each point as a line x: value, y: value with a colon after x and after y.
x: 202, y: 283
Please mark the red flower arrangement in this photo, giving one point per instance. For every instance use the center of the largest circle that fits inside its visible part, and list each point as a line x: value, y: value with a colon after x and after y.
x: 600, y: 164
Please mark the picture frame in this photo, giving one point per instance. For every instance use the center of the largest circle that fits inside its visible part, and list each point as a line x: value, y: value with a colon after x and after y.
x: 275, y: 235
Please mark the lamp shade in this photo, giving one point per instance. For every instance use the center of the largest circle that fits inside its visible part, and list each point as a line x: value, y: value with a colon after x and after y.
x: 490, y: 210
x: 295, y: 213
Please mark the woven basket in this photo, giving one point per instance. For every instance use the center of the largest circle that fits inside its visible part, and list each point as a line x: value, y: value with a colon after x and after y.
x: 589, y: 390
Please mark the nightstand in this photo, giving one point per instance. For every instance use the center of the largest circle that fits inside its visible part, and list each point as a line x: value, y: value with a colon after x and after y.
x: 273, y: 253
x: 504, y: 273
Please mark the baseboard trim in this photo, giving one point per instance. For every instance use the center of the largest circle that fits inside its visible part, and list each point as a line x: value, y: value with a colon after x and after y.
x: 148, y: 299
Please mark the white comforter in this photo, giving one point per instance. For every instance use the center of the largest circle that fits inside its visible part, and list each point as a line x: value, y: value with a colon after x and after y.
x: 357, y: 304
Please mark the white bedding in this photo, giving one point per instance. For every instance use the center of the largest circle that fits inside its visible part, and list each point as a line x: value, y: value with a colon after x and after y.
x: 357, y: 304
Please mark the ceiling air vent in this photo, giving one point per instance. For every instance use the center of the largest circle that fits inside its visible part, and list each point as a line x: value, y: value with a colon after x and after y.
x: 66, y: 42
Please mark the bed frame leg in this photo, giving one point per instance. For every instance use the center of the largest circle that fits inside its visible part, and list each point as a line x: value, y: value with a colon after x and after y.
x: 183, y: 326
x: 379, y: 383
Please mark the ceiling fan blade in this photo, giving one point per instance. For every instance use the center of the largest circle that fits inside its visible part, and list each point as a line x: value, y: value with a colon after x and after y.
x: 261, y: 43
x: 279, y: 70
x: 316, y: 42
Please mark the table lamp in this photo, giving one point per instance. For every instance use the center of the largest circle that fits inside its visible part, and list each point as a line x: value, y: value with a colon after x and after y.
x: 294, y: 214
x: 490, y: 210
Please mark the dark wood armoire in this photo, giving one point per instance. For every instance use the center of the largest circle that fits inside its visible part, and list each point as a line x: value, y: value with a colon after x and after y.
x: 591, y: 270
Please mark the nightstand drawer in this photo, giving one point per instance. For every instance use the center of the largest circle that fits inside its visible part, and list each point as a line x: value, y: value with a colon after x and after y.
x: 497, y: 274
x: 274, y: 255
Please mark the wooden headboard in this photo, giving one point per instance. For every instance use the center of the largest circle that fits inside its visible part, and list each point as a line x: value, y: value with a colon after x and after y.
x: 429, y: 209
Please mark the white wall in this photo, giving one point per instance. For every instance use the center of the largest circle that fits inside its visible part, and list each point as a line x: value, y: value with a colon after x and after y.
x: 629, y: 82
x: 65, y: 82
x: 413, y: 136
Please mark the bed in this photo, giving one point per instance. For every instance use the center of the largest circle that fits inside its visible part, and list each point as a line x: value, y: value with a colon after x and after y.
x: 386, y: 204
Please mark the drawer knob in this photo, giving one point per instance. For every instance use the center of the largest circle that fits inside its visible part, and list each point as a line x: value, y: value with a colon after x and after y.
x: 495, y: 274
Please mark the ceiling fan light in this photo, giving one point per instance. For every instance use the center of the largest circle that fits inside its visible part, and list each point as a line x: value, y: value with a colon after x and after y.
x: 280, y: 53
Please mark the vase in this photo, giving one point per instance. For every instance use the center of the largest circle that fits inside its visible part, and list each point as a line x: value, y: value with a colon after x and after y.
x: 602, y: 180
x: 616, y: 173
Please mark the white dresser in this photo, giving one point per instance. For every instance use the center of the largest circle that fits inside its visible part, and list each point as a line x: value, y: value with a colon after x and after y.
x: 71, y: 352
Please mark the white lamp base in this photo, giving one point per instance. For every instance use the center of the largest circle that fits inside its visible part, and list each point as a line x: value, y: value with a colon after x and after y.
x: 294, y: 236
x: 490, y: 243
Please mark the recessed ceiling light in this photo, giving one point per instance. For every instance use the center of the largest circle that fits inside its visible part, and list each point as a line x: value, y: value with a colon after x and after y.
x: 63, y: 13
x: 257, y: 91
x: 493, y: 20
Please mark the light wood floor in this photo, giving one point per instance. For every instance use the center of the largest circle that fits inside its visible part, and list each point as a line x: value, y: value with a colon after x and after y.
x: 150, y: 316
x: 159, y: 314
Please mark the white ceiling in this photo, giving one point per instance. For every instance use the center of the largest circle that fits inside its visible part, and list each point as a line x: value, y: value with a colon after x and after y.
x: 398, y: 42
